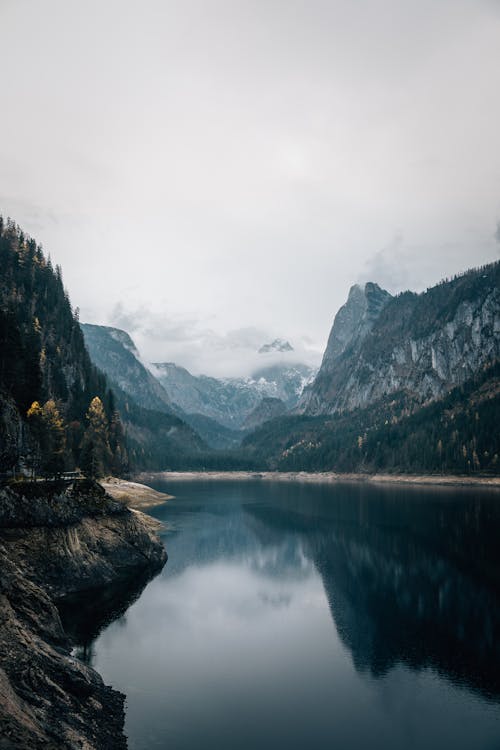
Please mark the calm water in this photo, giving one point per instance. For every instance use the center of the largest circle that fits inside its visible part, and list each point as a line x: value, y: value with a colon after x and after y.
x: 294, y: 616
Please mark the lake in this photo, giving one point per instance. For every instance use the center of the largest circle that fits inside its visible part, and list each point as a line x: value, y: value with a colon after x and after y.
x: 311, y: 616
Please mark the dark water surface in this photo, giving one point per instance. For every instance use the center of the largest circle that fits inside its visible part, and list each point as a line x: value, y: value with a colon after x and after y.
x: 297, y: 616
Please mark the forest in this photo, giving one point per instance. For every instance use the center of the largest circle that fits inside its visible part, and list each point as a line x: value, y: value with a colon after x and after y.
x: 457, y: 435
x: 58, y: 412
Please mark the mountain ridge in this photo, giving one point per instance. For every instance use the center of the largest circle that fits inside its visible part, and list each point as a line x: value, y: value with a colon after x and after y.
x: 424, y: 344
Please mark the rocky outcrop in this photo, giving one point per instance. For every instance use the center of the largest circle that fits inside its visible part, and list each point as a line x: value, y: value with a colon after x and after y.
x: 354, y: 321
x: 422, y: 344
x: 56, y: 541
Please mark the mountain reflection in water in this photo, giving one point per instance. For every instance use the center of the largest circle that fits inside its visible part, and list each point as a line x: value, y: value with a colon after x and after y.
x: 233, y: 644
x: 407, y: 581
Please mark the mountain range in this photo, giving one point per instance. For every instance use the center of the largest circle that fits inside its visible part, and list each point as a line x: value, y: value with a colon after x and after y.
x: 218, y: 408
x: 408, y: 383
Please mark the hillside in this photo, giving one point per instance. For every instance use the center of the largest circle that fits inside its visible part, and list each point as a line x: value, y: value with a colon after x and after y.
x: 230, y: 401
x: 457, y: 434
x: 44, y: 361
x: 407, y: 384
x: 114, y: 353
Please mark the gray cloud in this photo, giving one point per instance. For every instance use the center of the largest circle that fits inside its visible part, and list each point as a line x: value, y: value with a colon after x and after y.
x: 202, y: 350
x: 224, y: 166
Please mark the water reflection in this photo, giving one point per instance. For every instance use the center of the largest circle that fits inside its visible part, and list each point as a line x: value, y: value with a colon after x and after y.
x: 408, y: 580
x: 86, y: 614
x: 311, y: 616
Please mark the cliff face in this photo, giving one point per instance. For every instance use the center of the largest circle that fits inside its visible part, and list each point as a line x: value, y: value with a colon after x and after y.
x: 53, y: 543
x: 114, y: 352
x: 421, y: 344
x: 354, y: 321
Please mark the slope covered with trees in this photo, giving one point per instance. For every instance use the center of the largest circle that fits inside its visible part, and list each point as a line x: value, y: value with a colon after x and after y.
x: 47, y: 380
x: 457, y: 435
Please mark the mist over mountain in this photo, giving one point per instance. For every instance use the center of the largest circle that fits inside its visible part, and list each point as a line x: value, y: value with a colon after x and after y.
x: 407, y: 383
x: 113, y: 351
x: 198, y: 399
x: 417, y: 372
x: 278, y: 345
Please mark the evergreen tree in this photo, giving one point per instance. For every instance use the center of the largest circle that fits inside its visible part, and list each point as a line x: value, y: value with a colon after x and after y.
x: 117, y: 443
x: 54, y: 445
x: 95, y: 458
x: 36, y: 426
x: 47, y: 451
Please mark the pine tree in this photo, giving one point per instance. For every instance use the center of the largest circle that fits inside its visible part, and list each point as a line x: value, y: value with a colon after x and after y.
x: 47, y: 450
x: 96, y: 455
x: 117, y: 443
x: 54, y: 445
x: 37, y: 432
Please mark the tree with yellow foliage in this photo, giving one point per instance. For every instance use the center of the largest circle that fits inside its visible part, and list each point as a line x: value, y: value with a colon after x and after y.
x: 48, y: 433
x: 95, y: 457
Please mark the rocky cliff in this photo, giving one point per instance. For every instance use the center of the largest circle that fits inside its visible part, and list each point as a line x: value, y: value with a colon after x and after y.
x: 56, y: 541
x: 113, y: 351
x: 422, y: 344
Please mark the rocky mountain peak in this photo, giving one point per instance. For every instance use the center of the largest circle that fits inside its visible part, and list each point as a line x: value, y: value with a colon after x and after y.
x: 421, y: 344
x: 354, y: 319
x: 278, y: 345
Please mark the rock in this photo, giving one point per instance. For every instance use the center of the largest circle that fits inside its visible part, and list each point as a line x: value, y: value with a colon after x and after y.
x: 421, y: 344
x: 54, y: 542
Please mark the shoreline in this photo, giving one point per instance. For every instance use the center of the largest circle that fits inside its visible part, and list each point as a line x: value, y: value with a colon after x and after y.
x: 134, y: 494
x: 58, y: 544
x: 445, y: 480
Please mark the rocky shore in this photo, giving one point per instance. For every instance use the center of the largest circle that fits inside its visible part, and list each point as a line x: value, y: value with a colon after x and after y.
x: 57, y: 541
x: 134, y: 494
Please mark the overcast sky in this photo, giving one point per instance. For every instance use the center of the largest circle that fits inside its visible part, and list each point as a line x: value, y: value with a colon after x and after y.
x: 213, y: 174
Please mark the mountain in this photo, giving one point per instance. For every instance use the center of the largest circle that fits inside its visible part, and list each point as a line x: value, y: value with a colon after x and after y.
x: 44, y: 365
x: 113, y: 351
x: 457, y: 434
x: 278, y: 345
x: 422, y: 344
x: 409, y: 383
x: 226, y: 401
x: 159, y: 433
x: 50, y: 418
x: 157, y: 440
x: 212, y: 432
x: 354, y: 321
x: 216, y: 407
x: 269, y: 408
x: 286, y: 382
x: 229, y: 401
